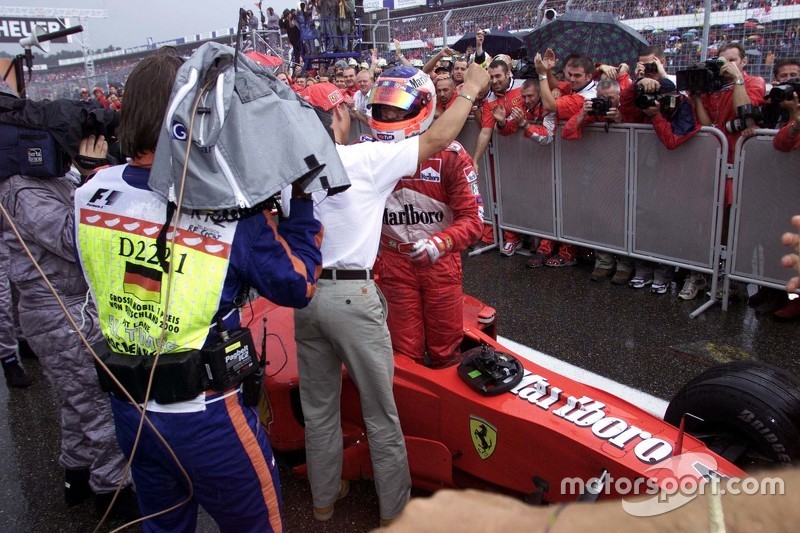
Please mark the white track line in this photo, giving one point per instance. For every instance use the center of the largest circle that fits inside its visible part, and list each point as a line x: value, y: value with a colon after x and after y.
x: 651, y: 404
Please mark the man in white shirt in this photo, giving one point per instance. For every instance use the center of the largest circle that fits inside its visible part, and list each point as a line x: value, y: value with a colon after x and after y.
x: 345, y: 323
x: 364, y: 82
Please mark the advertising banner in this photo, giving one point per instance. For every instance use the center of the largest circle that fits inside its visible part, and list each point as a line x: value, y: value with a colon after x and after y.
x: 12, y: 29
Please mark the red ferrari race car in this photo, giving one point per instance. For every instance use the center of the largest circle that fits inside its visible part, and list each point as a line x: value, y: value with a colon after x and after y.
x: 501, y: 423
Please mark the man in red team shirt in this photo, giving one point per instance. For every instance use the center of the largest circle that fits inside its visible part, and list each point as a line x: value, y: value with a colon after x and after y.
x: 505, y: 95
x: 539, y: 125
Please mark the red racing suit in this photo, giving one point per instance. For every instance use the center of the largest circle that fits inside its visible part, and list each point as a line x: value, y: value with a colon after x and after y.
x: 425, y: 302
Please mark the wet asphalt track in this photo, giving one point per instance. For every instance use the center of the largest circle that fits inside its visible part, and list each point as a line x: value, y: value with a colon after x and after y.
x: 645, y: 341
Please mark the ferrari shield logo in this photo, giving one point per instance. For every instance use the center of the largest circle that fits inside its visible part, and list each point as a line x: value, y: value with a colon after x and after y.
x: 484, y: 436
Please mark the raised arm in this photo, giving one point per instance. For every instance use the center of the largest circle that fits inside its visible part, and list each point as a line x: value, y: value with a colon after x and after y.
x: 445, y: 129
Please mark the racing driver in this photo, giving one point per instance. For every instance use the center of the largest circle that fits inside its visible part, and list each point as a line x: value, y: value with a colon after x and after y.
x: 429, y: 218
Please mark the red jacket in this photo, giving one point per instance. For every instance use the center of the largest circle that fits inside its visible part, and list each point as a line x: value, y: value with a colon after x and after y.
x: 511, y: 99
x: 719, y: 106
x: 661, y: 125
x: 784, y: 141
x: 441, y: 199
x: 541, y: 125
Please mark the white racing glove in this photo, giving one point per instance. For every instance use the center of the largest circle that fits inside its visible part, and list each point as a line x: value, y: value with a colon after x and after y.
x: 427, y: 251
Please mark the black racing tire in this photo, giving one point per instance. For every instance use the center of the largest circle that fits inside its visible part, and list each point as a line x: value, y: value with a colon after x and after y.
x: 750, y: 412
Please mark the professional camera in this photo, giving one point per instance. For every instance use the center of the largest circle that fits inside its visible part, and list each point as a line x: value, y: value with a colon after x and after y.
x: 644, y: 100
x: 525, y: 70
x: 784, y: 91
x: 763, y: 116
x: 651, y: 68
x: 701, y: 77
x: 600, y: 106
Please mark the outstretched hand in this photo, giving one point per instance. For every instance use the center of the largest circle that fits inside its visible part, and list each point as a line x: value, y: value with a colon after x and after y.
x: 792, y: 240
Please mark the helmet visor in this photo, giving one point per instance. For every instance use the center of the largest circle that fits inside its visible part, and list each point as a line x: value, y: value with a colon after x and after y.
x: 396, y: 93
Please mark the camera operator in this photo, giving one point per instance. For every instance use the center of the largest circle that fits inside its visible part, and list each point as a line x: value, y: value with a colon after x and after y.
x: 779, y: 106
x: 41, y: 210
x: 603, y: 108
x: 785, y: 69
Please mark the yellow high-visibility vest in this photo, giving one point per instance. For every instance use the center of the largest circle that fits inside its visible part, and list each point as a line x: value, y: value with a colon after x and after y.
x: 116, y: 230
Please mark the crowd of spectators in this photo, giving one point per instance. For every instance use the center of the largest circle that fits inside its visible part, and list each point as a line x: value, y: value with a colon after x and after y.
x: 765, y: 40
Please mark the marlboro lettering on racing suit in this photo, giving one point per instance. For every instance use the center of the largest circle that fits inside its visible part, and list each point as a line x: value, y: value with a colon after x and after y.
x: 410, y: 216
x: 584, y: 412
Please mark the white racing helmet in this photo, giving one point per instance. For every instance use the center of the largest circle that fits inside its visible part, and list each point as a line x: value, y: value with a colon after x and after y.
x: 406, y: 88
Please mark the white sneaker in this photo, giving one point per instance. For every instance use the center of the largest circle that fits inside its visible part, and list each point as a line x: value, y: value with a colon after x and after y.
x: 691, y: 288
x: 509, y: 248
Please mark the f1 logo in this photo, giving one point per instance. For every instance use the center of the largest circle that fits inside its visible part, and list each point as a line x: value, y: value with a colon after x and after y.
x: 103, y: 197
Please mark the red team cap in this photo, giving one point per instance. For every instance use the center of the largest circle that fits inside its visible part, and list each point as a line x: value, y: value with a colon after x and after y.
x: 325, y: 96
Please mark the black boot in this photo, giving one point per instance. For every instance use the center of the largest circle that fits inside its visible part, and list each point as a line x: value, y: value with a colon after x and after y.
x: 126, y: 508
x: 76, y: 487
x: 25, y: 351
x: 16, y: 378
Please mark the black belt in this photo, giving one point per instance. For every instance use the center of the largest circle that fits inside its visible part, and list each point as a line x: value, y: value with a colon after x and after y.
x: 349, y: 275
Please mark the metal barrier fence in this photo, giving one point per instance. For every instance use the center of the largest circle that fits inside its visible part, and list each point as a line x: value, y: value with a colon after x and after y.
x: 468, y: 137
x: 619, y: 191
x: 767, y: 192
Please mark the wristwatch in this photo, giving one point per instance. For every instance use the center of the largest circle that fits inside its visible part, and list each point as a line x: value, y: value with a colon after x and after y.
x: 740, y: 81
x: 542, y: 76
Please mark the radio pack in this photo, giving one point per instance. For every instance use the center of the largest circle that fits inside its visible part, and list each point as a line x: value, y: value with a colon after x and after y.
x: 30, y: 152
x: 231, y: 359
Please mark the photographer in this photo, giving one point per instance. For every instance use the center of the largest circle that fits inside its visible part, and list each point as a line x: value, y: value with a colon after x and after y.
x: 722, y: 108
x: 603, y: 108
x: 728, y: 109
x: 653, y: 99
x: 788, y: 138
x: 292, y: 28
x: 785, y: 69
x: 651, y: 64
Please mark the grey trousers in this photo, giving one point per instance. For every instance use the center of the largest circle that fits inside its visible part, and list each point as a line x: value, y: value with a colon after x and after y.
x: 8, y: 334
x: 88, y: 437
x: 607, y: 261
x: 345, y: 323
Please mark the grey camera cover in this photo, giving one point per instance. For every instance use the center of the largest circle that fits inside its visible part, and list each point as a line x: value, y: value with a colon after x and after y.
x: 250, y: 136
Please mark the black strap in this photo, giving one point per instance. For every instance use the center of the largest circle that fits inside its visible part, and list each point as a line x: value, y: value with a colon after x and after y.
x: 161, y: 240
